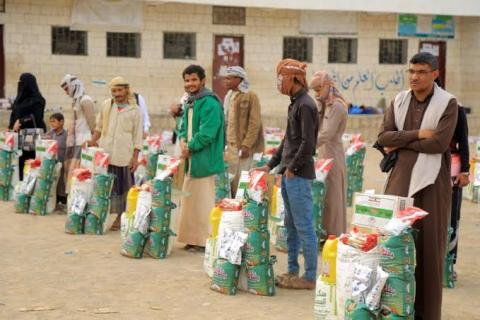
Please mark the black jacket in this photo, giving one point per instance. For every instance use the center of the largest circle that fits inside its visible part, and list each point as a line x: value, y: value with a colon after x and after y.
x: 459, y: 144
x: 29, y: 105
x: 298, y: 146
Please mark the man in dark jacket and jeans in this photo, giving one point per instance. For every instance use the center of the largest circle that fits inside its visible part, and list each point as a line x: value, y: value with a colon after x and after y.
x: 295, y: 160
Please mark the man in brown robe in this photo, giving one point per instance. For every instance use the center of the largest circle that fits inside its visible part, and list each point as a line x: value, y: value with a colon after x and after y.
x: 415, y: 142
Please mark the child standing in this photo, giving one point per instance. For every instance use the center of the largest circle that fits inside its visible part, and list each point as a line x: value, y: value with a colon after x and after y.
x: 60, y: 135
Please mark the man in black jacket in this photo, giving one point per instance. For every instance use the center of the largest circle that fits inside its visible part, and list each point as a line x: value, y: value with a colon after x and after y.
x: 460, y: 163
x: 295, y: 160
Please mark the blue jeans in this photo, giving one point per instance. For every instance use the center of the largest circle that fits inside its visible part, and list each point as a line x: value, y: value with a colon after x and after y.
x: 297, y: 198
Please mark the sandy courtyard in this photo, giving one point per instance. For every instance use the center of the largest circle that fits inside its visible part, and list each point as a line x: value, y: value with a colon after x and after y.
x: 85, y: 277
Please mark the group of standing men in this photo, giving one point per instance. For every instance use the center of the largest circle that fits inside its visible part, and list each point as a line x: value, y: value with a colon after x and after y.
x: 418, y: 126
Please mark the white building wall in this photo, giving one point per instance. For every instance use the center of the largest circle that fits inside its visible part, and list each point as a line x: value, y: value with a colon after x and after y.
x: 28, y: 49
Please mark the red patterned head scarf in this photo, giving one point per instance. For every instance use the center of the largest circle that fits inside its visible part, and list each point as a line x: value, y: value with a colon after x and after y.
x: 321, y: 79
x: 289, y: 71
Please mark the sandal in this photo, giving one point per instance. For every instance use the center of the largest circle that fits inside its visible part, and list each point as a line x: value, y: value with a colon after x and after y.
x: 189, y: 248
x: 279, y: 279
x: 297, y: 283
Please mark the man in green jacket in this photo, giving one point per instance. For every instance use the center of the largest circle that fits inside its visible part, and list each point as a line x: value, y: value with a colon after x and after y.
x: 202, y: 143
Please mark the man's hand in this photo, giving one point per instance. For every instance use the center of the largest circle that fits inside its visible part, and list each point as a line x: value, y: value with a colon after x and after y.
x: 17, y: 126
x: 289, y: 174
x: 462, y: 180
x: 244, y: 152
x: 389, y: 149
x: 425, y: 133
x: 185, y: 150
x: 174, y: 109
x: 90, y: 143
x: 133, y: 163
x: 263, y: 168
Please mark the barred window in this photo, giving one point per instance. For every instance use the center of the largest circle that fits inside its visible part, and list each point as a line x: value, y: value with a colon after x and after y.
x: 2, y: 5
x: 298, y: 48
x: 393, y: 51
x: 123, y: 44
x: 178, y: 45
x: 229, y: 15
x: 342, y: 50
x: 66, y: 41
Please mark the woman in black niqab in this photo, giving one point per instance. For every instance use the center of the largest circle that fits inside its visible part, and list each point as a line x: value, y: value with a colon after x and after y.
x: 27, y: 112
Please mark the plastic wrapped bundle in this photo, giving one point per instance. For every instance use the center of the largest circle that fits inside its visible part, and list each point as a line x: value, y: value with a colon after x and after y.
x: 22, y: 202
x: 225, y: 277
x: 5, y: 193
x: 157, y: 245
x: 74, y: 224
x: 318, y: 196
x: 257, y: 248
x: 261, y: 278
x: 161, y: 193
x: 255, y: 215
x: 160, y: 219
x: 151, y: 167
x: 398, y: 295
x: 76, y: 213
x: 93, y: 225
x: 6, y: 159
x: 99, y: 207
x: 103, y: 184
x: 46, y: 169
x: 358, y: 311
x: 397, y: 253
x: 42, y: 189
x: 133, y: 245
x: 6, y: 177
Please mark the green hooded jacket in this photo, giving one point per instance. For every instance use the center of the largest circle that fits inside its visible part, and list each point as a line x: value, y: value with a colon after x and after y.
x: 207, y: 143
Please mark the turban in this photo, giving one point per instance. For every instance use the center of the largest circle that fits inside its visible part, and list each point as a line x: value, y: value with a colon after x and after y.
x: 73, y: 86
x: 321, y: 79
x: 237, y: 71
x: 289, y: 70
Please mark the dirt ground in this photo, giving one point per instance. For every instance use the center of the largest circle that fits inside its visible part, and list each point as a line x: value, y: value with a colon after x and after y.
x: 85, y: 277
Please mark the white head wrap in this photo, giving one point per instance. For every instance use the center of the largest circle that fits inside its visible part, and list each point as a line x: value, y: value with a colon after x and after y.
x: 237, y: 71
x: 73, y: 86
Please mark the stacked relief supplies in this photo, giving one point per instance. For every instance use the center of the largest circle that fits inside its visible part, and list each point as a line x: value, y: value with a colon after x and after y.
x: 276, y: 225
x: 44, y: 197
x: 398, y: 258
x: 9, y: 154
x: 319, y: 189
x: 223, y: 256
x: 89, y: 201
x: 354, y: 157
x: 375, y: 263
x: 245, y: 227
x: 80, y: 194
x: 257, y: 259
x: 159, y: 242
x: 146, y: 226
x: 137, y: 233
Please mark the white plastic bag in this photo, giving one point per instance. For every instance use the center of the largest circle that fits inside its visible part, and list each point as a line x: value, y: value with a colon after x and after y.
x: 210, y: 256
x: 142, y: 211
x: 347, y: 257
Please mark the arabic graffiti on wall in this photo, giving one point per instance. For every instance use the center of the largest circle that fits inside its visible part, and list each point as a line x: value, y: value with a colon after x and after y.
x: 369, y: 80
